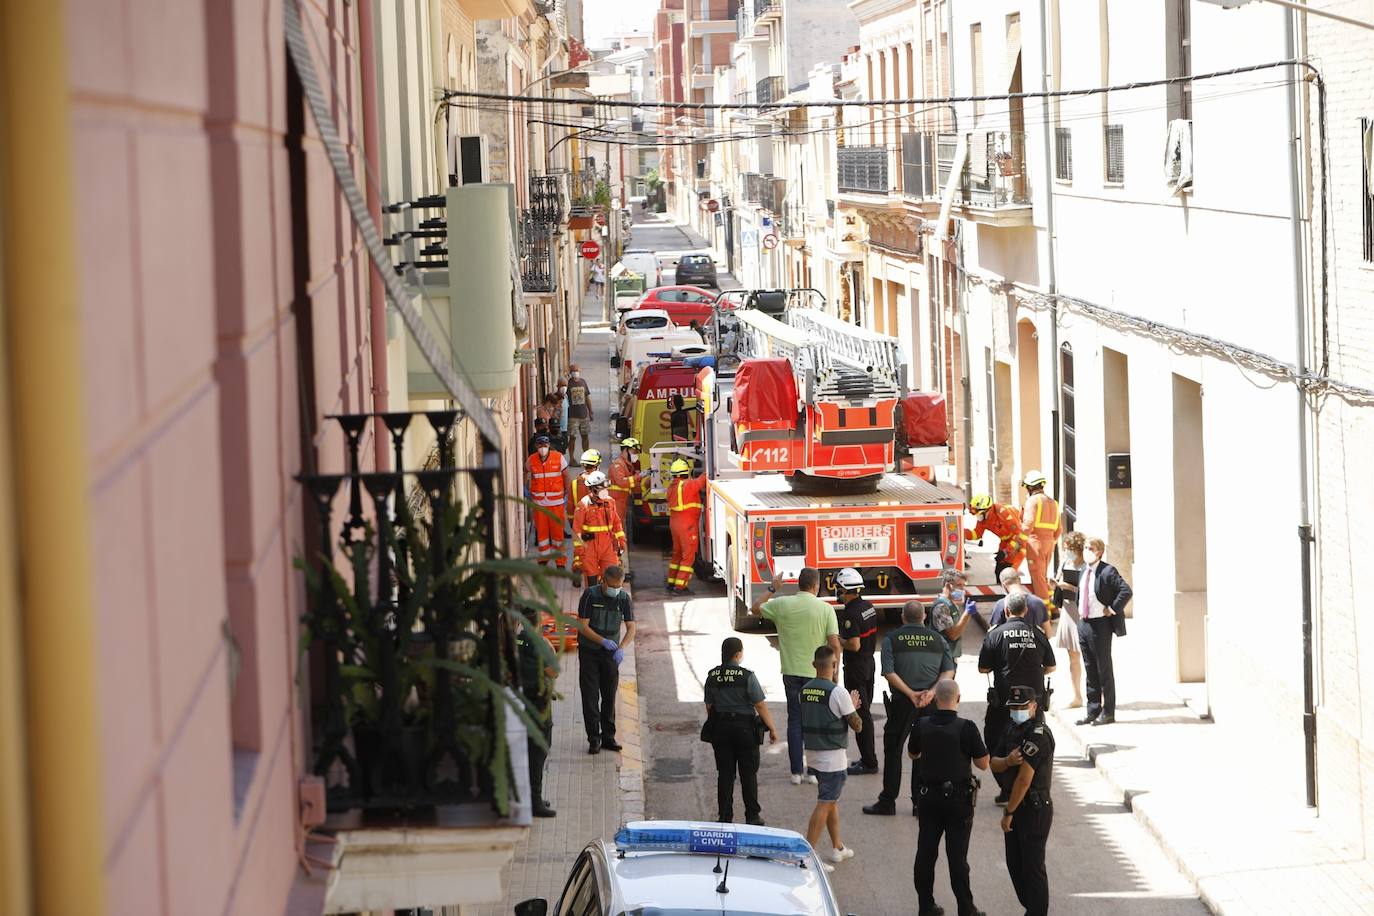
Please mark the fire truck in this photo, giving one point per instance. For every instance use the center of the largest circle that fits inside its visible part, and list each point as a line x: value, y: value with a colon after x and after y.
x: 797, y: 440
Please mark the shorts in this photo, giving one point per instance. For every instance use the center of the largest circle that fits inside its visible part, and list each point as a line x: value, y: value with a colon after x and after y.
x: 828, y: 785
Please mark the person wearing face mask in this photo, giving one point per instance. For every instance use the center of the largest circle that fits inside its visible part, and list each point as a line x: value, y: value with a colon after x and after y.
x: 1003, y: 521
x: 580, y: 414
x: 626, y: 483
x: 598, y: 537
x: 1027, y: 761
x: 601, y: 611
x: 547, y: 481
x: 1102, y: 598
x: 1017, y: 655
x: 1066, y: 599
x: 951, y: 609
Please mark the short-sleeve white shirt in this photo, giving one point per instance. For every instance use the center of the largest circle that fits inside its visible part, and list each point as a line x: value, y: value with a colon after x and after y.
x: 841, y: 704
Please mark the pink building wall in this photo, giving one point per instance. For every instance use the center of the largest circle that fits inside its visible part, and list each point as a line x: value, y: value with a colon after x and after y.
x: 194, y: 412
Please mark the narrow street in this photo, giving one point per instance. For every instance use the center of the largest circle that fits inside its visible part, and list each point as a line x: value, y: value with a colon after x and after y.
x: 1100, y: 859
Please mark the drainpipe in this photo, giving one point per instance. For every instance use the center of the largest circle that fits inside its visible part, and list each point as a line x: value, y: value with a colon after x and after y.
x: 46, y: 387
x: 1306, y: 537
x: 960, y: 297
x: 1048, y: 130
x: 376, y: 294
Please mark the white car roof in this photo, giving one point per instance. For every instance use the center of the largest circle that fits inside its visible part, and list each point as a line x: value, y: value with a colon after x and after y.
x: 645, y: 313
x: 687, y: 881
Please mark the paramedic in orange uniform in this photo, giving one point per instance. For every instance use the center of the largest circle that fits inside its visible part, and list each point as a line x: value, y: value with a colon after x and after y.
x: 590, y: 461
x: 1041, y: 521
x: 625, y: 485
x: 1003, y: 521
x: 684, y: 518
x: 548, y: 484
x: 598, y: 538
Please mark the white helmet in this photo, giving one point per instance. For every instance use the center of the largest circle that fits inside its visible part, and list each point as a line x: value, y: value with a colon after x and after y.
x: 849, y: 579
x: 595, y: 480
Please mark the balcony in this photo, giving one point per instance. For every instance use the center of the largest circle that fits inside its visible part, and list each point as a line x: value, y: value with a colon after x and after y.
x: 702, y: 78
x: 993, y: 188
x: 766, y: 8
x: 538, y: 268
x: 772, y: 194
x: 751, y: 187
x: 546, y: 199
x: 862, y: 170
x: 770, y: 89
x: 744, y: 22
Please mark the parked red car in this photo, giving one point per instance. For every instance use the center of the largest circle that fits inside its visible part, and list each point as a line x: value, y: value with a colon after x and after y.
x: 683, y: 304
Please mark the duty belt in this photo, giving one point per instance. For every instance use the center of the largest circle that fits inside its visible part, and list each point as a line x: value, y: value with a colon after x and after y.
x: 1036, y: 799
x: 736, y: 715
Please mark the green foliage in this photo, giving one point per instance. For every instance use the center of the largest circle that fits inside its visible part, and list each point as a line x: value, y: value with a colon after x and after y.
x: 652, y: 179
x: 602, y: 195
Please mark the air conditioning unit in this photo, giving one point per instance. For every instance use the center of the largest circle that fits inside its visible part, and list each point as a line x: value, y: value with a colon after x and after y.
x: 470, y: 158
x: 1178, y: 156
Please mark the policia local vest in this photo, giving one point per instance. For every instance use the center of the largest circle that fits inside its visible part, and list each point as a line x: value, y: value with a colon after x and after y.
x: 822, y: 730
x: 729, y: 690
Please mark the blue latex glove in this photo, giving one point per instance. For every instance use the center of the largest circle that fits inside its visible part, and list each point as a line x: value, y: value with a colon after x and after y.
x: 610, y: 645
x: 618, y: 655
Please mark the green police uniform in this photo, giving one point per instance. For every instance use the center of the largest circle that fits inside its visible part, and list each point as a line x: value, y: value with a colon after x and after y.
x: 918, y: 655
x: 822, y: 730
x: 731, y: 692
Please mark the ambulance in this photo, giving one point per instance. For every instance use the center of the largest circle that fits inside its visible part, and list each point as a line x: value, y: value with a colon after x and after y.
x: 645, y: 414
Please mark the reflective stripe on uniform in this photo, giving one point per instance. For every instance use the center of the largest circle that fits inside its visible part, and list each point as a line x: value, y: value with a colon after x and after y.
x: 596, y: 528
x: 1039, y: 509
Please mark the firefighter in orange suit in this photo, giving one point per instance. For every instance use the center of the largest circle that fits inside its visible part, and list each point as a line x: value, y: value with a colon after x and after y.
x: 548, y: 485
x: 1003, y: 521
x: 626, y: 482
x: 685, y: 500
x: 1041, y: 521
x: 598, y: 538
x: 591, y: 462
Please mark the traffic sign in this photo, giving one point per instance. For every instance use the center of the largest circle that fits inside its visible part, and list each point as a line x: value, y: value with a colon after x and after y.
x: 601, y: 219
x: 770, y: 241
x: 589, y: 249
x: 713, y: 205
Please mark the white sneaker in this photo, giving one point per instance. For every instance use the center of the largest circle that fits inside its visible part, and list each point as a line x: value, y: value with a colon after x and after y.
x: 796, y: 779
x: 810, y: 778
x: 828, y: 867
x: 839, y: 855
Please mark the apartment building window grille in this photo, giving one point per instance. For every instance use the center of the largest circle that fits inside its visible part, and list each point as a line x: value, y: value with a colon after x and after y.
x: 1063, y: 153
x: 1069, y: 498
x: 1115, y: 158
x: 1367, y: 182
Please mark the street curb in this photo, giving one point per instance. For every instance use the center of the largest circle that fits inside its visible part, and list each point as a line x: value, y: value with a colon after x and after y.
x: 631, y: 736
x: 1139, y: 808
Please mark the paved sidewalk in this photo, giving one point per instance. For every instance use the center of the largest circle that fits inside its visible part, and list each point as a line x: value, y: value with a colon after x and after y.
x: 1222, y: 810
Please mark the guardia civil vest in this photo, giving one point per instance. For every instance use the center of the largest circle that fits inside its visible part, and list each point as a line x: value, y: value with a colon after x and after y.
x: 604, y: 613
x: 728, y: 689
x: 822, y: 730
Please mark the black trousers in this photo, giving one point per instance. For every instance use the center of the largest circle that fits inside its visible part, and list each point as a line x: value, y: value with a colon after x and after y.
x: 951, y: 818
x: 858, y: 675
x: 901, y: 716
x: 737, y: 751
x: 539, y: 756
x: 1025, y: 845
x: 598, y: 677
x: 1095, y: 636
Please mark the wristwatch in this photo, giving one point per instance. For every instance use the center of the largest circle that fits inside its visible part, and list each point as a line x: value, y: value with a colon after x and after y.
x: 772, y: 590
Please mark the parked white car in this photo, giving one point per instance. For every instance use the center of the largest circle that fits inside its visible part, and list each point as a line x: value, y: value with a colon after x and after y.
x: 640, y: 320
x: 645, y: 263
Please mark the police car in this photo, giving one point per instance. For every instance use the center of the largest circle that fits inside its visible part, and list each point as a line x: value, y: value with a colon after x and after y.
x: 685, y: 868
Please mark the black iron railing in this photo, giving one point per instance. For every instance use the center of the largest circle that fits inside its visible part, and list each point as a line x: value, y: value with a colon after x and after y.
x: 772, y: 193
x: 537, y: 270
x: 769, y: 89
x: 763, y: 7
x: 862, y: 169
x: 994, y: 175
x: 410, y: 627
x: 546, y: 199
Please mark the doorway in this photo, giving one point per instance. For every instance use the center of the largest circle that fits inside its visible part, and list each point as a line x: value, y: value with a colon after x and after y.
x: 1004, y: 457
x: 1190, y: 533
x: 1028, y: 377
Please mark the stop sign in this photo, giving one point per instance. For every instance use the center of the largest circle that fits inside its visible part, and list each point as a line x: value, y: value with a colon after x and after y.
x: 589, y: 249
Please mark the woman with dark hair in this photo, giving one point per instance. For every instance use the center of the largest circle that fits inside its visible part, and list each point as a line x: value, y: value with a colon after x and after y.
x: 736, y: 718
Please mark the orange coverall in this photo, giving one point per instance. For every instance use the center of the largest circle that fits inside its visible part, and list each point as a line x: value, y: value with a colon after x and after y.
x: 579, y: 488
x: 1042, y: 523
x: 625, y: 485
x: 598, y: 518
x: 684, y: 518
x: 548, y: 488
x: 1005, y: 522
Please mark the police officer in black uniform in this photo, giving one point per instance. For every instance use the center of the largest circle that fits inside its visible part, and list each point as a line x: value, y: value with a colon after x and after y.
x: 945, y: 748
x: 736, y: 714
x: 858, y: 637
x: 600, y: 650
x: 1017, y: 655
x: 1027, y: 756
x: 536, y: 682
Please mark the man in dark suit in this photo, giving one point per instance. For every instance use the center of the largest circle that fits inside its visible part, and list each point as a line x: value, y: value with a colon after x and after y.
x: 1102, y: 599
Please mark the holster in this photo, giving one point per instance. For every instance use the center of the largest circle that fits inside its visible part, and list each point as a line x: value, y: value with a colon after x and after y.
x: 1049, y: 692
x: 974, y: 784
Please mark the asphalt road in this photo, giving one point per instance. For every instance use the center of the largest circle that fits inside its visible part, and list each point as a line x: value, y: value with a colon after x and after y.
x: 1101, y: 861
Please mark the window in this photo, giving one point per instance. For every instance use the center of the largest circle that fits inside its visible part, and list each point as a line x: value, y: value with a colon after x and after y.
x: 1178, y: 58
x: 1114, y: 140
x: 1367, y: 182
x: 1066, y: 423
x: 1063, y: 153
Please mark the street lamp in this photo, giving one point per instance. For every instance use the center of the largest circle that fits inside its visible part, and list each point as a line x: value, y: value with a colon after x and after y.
x: 1292, y: 5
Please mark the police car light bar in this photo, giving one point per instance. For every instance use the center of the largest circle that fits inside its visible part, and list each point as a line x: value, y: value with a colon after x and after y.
x: 711, y: 839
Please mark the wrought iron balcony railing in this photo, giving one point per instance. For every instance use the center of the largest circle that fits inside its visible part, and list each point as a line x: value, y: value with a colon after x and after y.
x: 995, y: 176
x: 751, y: 187
x: 772, y: 193
x: 546, y: 199
x: 862, y: 169
x: 744, y: 21
x: 410, y: 626
x: 764, y: 7
x: 770, y: 89
x: 537, y: 267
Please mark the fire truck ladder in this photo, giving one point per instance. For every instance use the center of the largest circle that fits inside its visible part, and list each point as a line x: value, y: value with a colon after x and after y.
x: 847, y: 363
